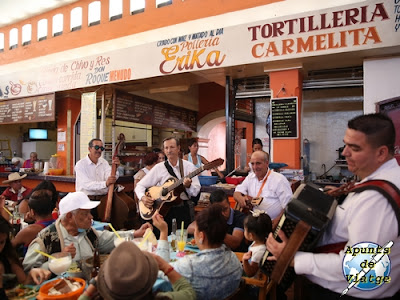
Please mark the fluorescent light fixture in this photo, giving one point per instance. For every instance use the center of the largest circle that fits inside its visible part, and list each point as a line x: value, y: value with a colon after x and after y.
x: 282, y: 67
x: 177, y: 88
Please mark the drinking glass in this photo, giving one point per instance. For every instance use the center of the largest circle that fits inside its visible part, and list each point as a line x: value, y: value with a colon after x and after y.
x: 181, y: 242
x: 60, y: 263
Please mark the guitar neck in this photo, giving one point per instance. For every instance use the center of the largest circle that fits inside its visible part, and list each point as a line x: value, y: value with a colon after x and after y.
x: 190, y: 175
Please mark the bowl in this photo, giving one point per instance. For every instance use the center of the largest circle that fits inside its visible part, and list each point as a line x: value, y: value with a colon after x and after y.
x: 208, y: 180
x: 56, y: 171
x: 44, y: 291
x: 234, y: 180
x: 75, y: 270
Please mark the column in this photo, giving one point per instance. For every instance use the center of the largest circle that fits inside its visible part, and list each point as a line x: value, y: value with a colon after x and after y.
x: 287, y: 83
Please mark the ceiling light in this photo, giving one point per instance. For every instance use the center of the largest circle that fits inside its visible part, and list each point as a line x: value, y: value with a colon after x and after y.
x: 177, y: 88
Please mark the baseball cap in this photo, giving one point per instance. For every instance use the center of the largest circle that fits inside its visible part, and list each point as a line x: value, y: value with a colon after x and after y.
x: 76, y: 200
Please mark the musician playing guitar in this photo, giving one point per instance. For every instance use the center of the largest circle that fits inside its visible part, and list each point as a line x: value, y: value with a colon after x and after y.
x: 93, y: 174
x: 159, y: 174
x: 364, y: 216
x: 272, y: 187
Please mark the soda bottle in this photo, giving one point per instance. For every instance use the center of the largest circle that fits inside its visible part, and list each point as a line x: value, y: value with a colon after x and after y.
x: 96, y: 263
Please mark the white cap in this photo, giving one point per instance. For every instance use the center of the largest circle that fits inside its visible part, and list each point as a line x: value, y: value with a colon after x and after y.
x: 76, y: 200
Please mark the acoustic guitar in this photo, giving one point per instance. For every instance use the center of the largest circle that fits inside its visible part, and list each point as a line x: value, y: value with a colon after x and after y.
x: 250, y: 203
x: 168, y: 194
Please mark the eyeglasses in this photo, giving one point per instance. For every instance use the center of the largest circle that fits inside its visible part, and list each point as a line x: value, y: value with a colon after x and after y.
x: 97, y: 147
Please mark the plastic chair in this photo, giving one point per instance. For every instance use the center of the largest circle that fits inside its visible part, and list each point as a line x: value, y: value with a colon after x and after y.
x: 260, y: 280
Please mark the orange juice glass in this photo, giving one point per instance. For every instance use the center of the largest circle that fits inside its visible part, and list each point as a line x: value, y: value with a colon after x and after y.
x: 181, y: 246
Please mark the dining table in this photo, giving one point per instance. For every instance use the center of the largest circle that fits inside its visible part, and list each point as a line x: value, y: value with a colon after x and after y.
x: 160, y: 285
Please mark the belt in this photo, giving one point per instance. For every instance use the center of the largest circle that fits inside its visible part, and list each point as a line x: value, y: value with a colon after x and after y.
x: 95, y: 197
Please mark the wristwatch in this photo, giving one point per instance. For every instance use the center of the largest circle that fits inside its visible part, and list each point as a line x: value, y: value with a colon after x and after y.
x: 93, y: 282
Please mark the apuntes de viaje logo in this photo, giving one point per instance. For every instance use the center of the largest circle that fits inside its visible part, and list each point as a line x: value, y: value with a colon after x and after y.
x: 366, y: 266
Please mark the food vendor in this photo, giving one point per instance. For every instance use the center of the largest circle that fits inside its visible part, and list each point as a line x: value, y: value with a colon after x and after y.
x: 29, y: 163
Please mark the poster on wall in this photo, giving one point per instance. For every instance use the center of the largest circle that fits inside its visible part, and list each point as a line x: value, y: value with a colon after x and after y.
x: 284, y: 118
x: 132, y: 108
x: 28, y: 110
x: 88, y: 121
x: 391, y: 107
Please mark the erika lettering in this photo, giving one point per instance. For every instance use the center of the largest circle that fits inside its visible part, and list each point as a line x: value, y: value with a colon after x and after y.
x: 196, y: 56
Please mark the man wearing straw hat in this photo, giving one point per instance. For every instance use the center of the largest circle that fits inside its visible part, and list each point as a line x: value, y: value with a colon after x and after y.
x: 16, y: 191
x: 73, y: 232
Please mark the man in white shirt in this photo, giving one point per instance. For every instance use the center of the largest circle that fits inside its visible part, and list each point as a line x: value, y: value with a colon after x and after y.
x: 93, y: 173
x: 159, y: 174
x: 362, y: 217
x: 273, y: 187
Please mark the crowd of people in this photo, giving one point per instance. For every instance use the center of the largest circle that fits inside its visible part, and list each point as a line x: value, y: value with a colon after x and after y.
x: 219, y: 230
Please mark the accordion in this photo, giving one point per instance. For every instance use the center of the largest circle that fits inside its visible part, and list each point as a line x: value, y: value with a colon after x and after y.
x: 314, y: 207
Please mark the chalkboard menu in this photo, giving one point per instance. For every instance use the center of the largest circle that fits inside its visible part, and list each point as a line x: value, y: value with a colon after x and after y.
x: 284, y: 121
x: 28, y: 110
x: 138, y: 109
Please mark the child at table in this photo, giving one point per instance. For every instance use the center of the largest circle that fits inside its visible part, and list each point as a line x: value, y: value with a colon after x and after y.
x: 257, y: 227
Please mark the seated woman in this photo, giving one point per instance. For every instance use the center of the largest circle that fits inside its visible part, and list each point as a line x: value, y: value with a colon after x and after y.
x: 197, y: 159
x: 10, y: 264
x: 45, y: 185
x: 215, y: 271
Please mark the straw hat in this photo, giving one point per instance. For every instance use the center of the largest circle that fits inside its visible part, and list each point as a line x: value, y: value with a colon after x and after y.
x: 128, y: 273
x: 14, y: 177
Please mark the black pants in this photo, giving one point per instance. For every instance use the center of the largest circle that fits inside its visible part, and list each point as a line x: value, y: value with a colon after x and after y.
x: 180, y: 213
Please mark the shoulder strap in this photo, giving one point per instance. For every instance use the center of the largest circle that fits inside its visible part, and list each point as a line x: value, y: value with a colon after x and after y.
x: 181, y: 168
x: 92, y: 237
x: 169, y: 169
x: 387, y: 189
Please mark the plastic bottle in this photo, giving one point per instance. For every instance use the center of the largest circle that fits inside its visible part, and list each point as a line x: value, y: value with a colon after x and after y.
x: 96, y: 263
x: 173, y: 234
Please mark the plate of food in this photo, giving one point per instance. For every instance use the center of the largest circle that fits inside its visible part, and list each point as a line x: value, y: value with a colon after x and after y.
x: 22, y: 292
x: 192, y: 244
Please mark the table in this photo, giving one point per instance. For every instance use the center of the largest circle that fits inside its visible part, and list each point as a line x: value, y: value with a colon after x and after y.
x: 162, y: 285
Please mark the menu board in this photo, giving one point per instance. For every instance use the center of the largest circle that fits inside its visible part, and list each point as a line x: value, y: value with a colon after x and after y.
x: 284, y: 118
x: 28, y: 110
x: 138, y: 109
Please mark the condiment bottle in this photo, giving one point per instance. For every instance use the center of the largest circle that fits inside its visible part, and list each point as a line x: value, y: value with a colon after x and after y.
x: 96, y: 263
x: 173, y: 234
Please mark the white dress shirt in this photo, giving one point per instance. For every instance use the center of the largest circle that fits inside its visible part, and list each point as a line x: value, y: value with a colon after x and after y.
x: 90, y: 177
x: 363, y: 217
x: 276, y: 192
x: 159, y: 174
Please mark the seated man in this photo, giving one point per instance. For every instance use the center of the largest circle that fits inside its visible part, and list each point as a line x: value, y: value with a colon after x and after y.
x: 72, y: 232
x: 93, y: 174
x: 16, y: 191
x: 234, y: 238
x: 264, y: 183
x: 41, y: 206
